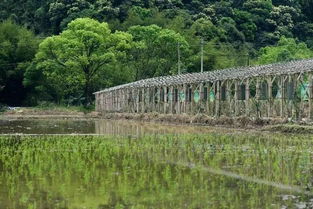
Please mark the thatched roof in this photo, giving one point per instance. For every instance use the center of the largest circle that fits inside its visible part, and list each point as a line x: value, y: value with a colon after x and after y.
x: 220, y: 75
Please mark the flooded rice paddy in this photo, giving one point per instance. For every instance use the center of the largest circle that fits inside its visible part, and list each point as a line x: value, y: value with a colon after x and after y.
x: 99, y: 127
x: 135, y: 165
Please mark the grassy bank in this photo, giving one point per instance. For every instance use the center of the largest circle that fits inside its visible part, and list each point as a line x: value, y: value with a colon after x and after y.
x: 48, y: 111
x: 198, y: 119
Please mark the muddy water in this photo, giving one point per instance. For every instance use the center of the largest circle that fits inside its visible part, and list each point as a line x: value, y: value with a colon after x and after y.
x: 103, y: 127
x: 209, y: 171
x: 206, y: 168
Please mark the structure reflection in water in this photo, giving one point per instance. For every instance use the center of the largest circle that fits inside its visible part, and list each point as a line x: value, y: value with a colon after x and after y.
x: 101, y: 127
x: 132, y: 128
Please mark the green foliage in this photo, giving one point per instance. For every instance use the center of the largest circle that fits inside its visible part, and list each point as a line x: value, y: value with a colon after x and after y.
x: 237, y: 170
x: 17, y: 49
x: 232, y: 30
x: 155, y: 52
x: 287, y: 49
x: 73, y: 60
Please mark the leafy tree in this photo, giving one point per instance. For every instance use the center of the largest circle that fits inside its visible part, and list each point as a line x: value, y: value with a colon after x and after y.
x: 245, y: 24
x: 17, y: 48
x: 287, y: 49
x: 205, y: 29
x: 73, y: 60
x: 260, y: 10
x: 218, y: 56
x: 155, y: 52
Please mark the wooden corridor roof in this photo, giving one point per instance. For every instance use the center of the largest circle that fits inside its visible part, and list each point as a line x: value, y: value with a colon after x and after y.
x: 241, y: 73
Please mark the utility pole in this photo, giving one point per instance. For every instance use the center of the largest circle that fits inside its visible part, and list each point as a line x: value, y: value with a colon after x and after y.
x: 202, y: 42
x: 178, y: 58
x: 248, y: 60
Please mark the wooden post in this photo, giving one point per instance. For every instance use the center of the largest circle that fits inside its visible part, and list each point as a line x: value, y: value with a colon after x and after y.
x: 148, y: 102
x: 310, y: 96
x: 247, y: 97
x: 97, y: 95
x: 164, y: 99
x: 257, y: 97
x: 137, y: 100
x: 208, y: 99
x: 236, y: 99
x: 292, y: 82
x: 179, y: 89
x: 113, y: 101
x: 228, y: 98
x: 218, y: 98
x: 201, y: 102
x: 159, y: 101
x: 191, y: 103
x: 269, y: 97
x: 116, y: 100
x: 185, y: 101
x: 171, y: 92
x: 143, y: 98
x: 282, y: 102
x: 124, y: 100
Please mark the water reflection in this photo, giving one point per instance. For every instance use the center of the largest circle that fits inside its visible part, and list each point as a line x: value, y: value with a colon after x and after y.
x: 103, y: 127
x: 71, y: 172
x: 132, y: 128
x: 47, y: 127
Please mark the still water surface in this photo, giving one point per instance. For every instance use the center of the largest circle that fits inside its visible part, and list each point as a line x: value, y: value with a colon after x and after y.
x: 164, y: 166
x: 103, y: 127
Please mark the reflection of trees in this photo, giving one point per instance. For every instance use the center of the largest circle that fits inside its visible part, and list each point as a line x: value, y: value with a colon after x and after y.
x: 101, y: 172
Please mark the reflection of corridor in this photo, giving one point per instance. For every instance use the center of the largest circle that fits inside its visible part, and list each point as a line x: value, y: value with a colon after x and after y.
x: 270, y: 91
x: 132, y: 128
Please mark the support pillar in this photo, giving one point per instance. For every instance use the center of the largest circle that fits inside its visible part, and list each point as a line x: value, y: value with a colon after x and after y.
x: 143, y: 100
x: 171, y: 99
x: 247, y: 97
x: 310, y: 115
x: 164, y: 99
x: 137, y: 99
x: 236, y: 99
x: 282, y: 99
x: 217, y: 99
x: 202, y: 102
x: 269, y: 97
x: 257, y: 97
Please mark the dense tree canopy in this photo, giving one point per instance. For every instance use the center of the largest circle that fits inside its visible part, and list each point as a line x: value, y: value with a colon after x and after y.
x: 156, y: 51
x: 78, y: 55
x: 74, y: 59
x: 287, y: 49
x: 17, y: 49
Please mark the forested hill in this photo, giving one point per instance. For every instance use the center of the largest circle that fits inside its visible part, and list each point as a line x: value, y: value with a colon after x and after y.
x: 260, y: 22
x: 43, y: 58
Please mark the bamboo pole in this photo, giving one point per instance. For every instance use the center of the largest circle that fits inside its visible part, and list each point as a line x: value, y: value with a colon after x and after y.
x: 310, y: 96
x: 247, y: 97
x: 257, y: 97
x: 217, y: 99
x: 171, y: 103
x: 270, y: 97
x: 236, y: 99
x: 283, y: 94
x: 164, y: 99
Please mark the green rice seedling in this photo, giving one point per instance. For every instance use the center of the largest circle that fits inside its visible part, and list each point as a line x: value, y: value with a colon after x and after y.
x: 168, y: 171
